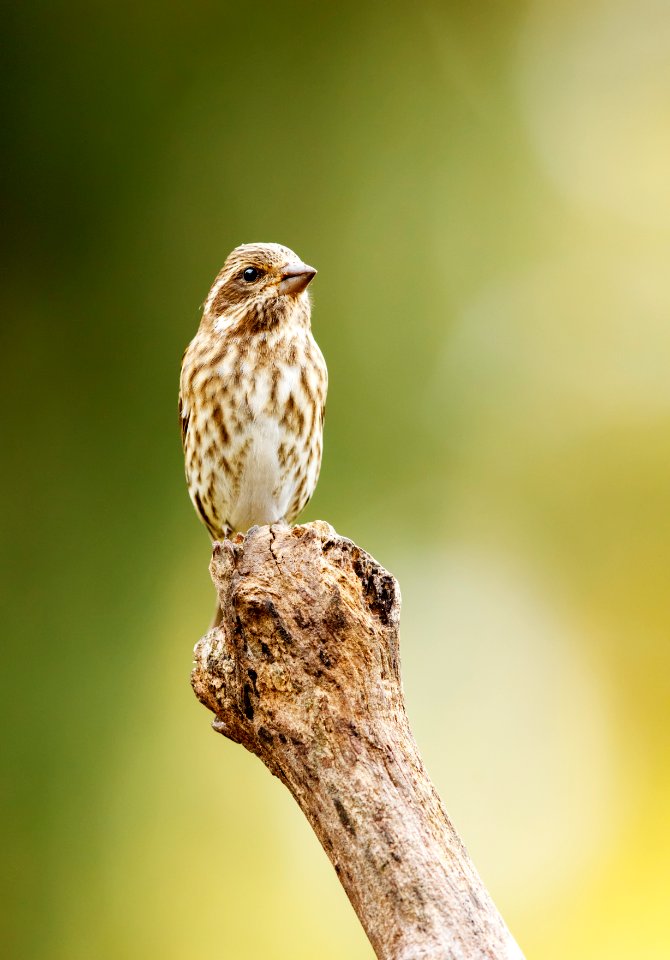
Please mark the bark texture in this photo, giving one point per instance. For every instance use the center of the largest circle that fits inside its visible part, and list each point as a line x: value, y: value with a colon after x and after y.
x: 303, y: 670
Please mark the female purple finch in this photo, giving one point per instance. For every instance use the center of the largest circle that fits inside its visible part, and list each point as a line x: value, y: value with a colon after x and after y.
x: 252, y: 394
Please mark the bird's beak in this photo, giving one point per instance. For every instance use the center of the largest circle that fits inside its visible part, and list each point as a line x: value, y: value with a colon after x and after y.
x: 295, y: 277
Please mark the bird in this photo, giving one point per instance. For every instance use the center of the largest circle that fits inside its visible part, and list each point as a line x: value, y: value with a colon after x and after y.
x: 252, y: 394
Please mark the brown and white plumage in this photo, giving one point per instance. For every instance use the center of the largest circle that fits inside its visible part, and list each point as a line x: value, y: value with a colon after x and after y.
x: 252, y: 394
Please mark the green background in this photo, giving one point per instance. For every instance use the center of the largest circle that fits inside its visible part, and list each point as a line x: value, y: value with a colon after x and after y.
x: 483, y: 188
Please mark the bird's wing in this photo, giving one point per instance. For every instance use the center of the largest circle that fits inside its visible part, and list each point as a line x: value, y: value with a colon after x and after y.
x: 184, y: 416
x: 184, y: 409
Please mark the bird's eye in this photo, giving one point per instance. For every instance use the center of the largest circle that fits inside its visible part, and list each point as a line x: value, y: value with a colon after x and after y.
x: 251, y: 274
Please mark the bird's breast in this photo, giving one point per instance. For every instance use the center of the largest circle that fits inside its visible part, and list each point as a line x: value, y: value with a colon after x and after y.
x: 254, y: 436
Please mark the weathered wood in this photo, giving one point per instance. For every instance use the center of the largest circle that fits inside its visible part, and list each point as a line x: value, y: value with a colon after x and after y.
x: 303, y: 670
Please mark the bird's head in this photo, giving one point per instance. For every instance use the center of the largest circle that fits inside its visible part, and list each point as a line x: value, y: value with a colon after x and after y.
x: 260, y: 282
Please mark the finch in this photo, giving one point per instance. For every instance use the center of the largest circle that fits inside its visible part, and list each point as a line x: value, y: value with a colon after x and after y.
x: 252, y: 394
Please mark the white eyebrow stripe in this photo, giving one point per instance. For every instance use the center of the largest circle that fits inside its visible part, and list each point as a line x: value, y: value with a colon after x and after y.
x: 213, y: 292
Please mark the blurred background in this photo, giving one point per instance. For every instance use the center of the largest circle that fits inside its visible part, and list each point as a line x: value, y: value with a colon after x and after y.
x: 484, y: 189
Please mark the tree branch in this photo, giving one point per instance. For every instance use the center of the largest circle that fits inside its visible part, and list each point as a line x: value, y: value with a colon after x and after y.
x: 303, y: 670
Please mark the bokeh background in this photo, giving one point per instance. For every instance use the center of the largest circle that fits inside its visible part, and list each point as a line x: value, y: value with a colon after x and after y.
x: 484, y: 189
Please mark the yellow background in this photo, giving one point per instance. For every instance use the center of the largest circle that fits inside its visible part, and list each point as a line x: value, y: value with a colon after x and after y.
x: 484, y: 188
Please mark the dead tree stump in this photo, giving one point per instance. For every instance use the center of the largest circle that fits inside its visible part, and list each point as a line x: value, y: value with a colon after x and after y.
x: 303, y: 670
